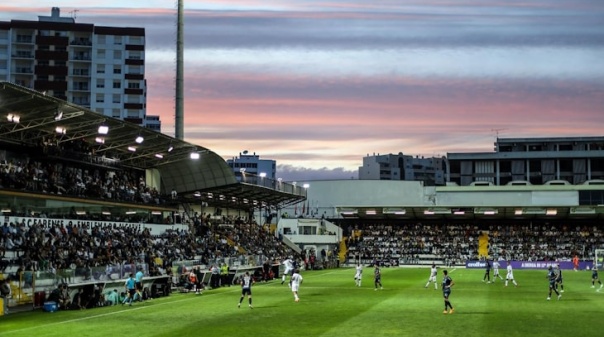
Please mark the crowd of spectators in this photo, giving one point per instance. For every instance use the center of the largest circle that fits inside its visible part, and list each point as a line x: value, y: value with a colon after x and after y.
x: 79, y: 180
x: 454, y: 243
x: 403, y: 244
x: 93, y: 252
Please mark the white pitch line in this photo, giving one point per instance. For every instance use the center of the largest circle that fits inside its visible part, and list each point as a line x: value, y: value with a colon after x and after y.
x: 104, y: 315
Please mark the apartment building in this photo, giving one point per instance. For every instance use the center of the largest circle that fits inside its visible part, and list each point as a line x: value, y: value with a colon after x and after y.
x: 431, y: 171
x: 573, y: 160
x: 98, y: 67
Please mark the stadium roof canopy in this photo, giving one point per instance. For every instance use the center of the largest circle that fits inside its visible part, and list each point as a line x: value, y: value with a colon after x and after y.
x: 30, y: 118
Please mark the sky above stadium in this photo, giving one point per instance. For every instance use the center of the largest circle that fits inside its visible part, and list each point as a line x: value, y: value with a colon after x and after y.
x: 317, y: 85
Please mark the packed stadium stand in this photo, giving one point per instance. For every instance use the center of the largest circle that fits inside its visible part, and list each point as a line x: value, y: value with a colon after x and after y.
x: 87, y: 200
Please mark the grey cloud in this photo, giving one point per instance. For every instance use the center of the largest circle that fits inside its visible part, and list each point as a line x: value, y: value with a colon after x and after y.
x: 299, y: 174
x: 258, y: 30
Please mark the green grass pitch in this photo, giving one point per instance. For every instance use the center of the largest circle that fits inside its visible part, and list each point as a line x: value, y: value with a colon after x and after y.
x: 332, y: 306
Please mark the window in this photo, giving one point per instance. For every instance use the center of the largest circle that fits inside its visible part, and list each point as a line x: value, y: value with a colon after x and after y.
x: 117, y: 54
x: 100, y: 110
x: 134, y: 69
x: 565, y: 147
x: 117, y: 98
x: 116, y: 113
x: 117, y: 40
x: 566, y: 165
x: 100, y: 83
x: 100, y: 68
x: 135, y: 55
x: 100, y: 54
x: 117, y: 84
x: 81, y: 72
x: 102, y: 39
x: 136, y: 40
x: 117, y: 69
x: 134, y: 85
x: 100, y: 98
x: 132, y: 99
x: 79, y: 85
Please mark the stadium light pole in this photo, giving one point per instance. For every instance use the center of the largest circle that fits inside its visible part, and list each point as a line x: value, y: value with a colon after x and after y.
x: 179, y: 95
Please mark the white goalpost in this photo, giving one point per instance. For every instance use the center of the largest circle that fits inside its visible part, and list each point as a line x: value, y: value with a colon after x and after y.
x: 599, y: 259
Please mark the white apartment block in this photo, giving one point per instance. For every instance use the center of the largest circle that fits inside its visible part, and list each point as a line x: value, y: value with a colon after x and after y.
x: 100, y: 68
x: 252, y: 164
x: 431, y: 171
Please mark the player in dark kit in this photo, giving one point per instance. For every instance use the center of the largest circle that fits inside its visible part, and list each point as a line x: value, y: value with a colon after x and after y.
x: 487, y: 272
x: 559, y: 282
x: 595, y: 277
x: 246, y: 289
x: 446, y: 285
x: 552, y: 277
x: 377, y: 277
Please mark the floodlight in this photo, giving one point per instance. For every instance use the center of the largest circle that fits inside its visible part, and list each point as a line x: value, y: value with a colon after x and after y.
x: 58, y: 115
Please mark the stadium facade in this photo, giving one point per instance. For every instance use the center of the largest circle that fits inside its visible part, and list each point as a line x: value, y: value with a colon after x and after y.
x: 538, y: 161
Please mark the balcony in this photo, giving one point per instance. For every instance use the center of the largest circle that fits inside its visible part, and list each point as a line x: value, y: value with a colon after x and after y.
x: 133, y: 91
x: 45, y: 70
x: 81, y: 72
x: 42, y: 85
x: 81, y: 87
x: 133, y: 106
x: 56, y: 55
x: 84, y: 101
x: 80, y: 42
x: 134, y: 62
x: 23, y: 55
x: 81, y: 57
x: 24, y: 39
x: 52, y: 40
x: 23, y: 70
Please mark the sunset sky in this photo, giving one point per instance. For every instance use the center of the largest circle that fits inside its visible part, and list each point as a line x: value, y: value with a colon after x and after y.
x: 317, y: 85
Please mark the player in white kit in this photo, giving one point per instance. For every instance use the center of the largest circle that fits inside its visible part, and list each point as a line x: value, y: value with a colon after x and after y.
x: 432, y: 278
x: 358, y: 276
x: 510, y: 275
x: 296, y: 280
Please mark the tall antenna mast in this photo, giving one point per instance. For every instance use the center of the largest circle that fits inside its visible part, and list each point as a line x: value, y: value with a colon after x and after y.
x: 497, y: 132
x: 74, y: 13
x: 179, y: 108
x: 497, y: 138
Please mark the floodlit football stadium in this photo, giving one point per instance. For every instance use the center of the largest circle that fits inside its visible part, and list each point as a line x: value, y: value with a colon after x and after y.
x: 110, y: 227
